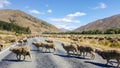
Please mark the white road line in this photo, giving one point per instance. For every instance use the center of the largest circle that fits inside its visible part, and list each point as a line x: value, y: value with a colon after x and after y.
x: 7, y: 48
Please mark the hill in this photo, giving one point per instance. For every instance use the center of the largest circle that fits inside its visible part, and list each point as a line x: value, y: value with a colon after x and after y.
x: 102, y: 24
x: 25, y: 20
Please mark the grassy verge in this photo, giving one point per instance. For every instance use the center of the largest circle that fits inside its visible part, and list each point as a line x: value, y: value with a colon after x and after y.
x: 94, y: 43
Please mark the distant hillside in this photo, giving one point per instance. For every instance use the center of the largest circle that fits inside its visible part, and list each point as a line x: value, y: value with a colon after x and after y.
x: 102, y: 24
x: 63, y: 30
x: 25, y: 20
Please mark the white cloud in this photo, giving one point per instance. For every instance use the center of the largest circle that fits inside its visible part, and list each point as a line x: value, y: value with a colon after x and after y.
x: 49, y: 11
x: 69, y: 18
x: 4, y: 3
x: 77, y: 14
x: 101, y: 6
x: 35, y: 11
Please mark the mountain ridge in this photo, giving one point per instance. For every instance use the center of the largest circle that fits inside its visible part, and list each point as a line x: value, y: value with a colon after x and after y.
x: 101, y: 24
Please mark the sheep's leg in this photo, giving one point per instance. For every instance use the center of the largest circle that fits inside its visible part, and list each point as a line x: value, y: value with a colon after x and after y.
x: 92, y: 55
x: 24, y: 57
x: 17, y: 57
x: 68, y: 52
x: 37, y: 48
x: 84, y: 54
x: 42, y: 48
x: 73, y: 52
x: 118, y: 61
x: 80, y: 53
x: 111, y: 63
x: 107, y: 61
x: 49, y: 49
x: 0, y: 49
x: 20, y: 57
x: 54, y: 50
x: 77, y: 52
x: 30, y: 57
x: 46, y: 50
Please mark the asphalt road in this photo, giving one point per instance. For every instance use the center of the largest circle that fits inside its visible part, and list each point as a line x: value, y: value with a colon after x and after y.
x: 50, y: 60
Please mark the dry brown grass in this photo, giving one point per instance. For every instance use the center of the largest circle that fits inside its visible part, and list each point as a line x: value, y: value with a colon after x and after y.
x: 94, y: 43
x: 5, y: 39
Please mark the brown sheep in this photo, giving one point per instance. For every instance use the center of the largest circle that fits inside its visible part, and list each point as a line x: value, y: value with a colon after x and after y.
x: 49, y: 41
x: 109, y: 54
x: 21, y: 50
x: 20, y: 41
x: 70, y: 47
x: 12, y: 40
x: 84, y: 50
x: 38, y: 44
x: 49, y: 46
x: 25, y: 40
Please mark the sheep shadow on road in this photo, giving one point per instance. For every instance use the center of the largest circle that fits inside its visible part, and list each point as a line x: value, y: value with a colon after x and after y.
x: 14, y: 60
x: 71, y: 56
x: 100, y: 64
x: 39, y: 51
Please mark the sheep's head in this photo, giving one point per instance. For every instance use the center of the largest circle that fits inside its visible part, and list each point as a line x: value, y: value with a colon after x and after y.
x: 62, y: 44
x: 97, y: 50
x: 11, y: 49
x: 34, y: 43
x: 1, y: 45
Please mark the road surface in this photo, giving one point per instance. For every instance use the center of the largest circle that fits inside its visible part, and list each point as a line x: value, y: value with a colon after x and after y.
x: 50, y: 60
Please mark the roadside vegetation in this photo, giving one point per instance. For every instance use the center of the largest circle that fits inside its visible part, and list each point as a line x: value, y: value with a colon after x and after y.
x: 108, y: 31
x: 101, y: 40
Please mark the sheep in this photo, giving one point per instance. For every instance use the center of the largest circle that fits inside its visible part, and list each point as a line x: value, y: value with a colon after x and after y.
x: 109, y: 54
x: 49, y: 46
x: 49, y: 41
x: 25, y: 41
x: 70, y: 47
x: 21, y: 50
x: 1, y: 46
x: 12, y: 40
x: 75, y: 39
x: 84, y: 50
x: 38, y: 44
x: 101, y: 39
x: 20, y: 41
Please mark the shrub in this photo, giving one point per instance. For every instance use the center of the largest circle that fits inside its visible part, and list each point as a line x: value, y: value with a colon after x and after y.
x: 14, y: 28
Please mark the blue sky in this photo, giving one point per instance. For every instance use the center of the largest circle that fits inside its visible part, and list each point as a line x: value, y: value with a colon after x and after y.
x: 68, y: 14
